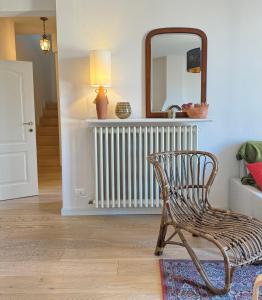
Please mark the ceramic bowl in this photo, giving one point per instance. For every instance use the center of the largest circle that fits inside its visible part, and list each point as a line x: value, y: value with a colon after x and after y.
x: 197, y: 112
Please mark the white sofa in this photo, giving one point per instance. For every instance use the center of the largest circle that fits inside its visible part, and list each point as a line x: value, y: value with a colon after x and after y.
x: 245, y: 199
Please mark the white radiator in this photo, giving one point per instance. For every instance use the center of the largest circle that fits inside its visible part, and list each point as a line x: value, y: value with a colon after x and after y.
x: 123, y: 177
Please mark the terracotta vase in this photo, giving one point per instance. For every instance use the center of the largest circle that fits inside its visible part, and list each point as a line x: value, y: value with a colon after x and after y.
x: 101, y: 102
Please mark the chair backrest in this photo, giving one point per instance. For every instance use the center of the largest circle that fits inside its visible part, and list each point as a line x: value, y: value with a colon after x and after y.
x: 185, y: 178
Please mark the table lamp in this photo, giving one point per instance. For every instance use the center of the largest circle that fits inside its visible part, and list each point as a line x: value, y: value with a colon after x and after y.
x: 100, y: 77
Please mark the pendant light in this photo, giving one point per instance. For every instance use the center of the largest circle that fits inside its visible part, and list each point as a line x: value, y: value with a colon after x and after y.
x: 45, y: 44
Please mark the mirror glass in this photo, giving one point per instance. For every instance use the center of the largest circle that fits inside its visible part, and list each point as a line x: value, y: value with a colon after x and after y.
x: 175, y: 70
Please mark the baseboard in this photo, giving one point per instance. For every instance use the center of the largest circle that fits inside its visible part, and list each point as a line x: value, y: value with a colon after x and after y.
x: 110, y: 211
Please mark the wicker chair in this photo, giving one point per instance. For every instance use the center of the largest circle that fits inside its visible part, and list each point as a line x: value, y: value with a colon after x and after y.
x: 185, y: 178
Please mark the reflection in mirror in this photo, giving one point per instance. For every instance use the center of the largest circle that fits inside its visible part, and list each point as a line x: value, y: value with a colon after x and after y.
x: 175, y: 69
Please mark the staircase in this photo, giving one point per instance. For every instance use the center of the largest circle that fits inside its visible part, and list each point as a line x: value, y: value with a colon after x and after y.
x: 49, y: 171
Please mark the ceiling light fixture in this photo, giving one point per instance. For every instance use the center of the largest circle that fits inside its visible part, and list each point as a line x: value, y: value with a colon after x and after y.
x: 45, y: 44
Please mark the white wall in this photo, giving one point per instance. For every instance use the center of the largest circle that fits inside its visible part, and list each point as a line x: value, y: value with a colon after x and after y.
x: 179, y: 85
x: 174, y: 84
x: 28, y: 49
x: 191, y: 84
x: 27, y: 7
x: 234, y: 87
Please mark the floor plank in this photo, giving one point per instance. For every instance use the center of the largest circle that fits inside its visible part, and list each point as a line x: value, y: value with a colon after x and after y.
x: 46, y: 256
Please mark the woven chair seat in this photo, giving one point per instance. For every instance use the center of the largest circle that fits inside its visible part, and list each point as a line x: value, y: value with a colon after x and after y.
x: 238, y: 234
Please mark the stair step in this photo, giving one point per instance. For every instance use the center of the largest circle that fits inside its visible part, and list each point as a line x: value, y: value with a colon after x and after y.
x: 46, y: 177
x: 50, y: 140
x: 50, y: 113
x: 48, y: 161
x: 49, y: 175
x: 46, y: 170
x: 51, y: 105
x: 49, y: 122
x: 48, y: 150
x: 47, y: 156
x: 47, y: 130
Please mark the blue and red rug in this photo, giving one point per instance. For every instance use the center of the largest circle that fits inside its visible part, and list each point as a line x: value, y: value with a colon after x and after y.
x: 181, y: 280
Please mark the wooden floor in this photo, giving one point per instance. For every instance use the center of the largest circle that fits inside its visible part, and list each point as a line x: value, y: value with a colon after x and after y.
x: 46, y: 256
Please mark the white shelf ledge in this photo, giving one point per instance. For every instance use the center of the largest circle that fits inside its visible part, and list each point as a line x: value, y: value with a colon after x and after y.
x: 147, y: 121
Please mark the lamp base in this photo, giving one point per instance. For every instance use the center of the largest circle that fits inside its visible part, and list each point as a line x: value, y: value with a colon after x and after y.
x: 101, y: 102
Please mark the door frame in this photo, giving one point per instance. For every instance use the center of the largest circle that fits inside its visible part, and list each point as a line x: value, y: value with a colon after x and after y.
x: 38, y: 13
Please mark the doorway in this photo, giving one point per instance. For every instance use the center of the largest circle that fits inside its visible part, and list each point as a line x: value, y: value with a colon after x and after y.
x: 28, y: 32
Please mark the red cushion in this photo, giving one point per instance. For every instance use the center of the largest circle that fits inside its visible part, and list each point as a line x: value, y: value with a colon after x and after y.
x: 255, y: 170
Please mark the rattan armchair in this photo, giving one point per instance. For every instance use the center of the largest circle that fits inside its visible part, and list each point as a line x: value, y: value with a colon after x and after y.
x: 185, y: 178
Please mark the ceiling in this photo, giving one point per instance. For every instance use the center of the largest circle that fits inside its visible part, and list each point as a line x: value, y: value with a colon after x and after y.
x: 33, y: 25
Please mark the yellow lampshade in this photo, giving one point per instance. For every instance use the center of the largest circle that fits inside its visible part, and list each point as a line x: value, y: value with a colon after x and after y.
x: 100, y: 68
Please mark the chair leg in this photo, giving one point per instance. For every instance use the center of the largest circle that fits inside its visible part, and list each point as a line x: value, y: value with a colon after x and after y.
x: 162, y: 234
x: 228, y: 270
x: 257, y: 285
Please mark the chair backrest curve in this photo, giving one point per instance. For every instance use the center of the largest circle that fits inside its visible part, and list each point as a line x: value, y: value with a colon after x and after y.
x: 185, y: 179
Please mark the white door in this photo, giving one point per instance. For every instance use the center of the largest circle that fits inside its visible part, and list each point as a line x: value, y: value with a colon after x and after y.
x: 18, y: 163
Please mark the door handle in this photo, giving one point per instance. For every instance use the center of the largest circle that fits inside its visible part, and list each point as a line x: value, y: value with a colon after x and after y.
x: 30, y: 123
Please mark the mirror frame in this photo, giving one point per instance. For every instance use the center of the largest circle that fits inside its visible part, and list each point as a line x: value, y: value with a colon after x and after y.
x: 149, y: 36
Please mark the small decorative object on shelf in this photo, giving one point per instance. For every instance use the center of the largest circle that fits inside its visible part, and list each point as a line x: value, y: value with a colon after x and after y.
x: 196, y: 111
x: 101, y: 102
x: 171, y: 111
x: 123, y: 110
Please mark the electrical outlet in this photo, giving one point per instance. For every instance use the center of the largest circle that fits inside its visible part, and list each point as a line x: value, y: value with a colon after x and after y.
x: 80, y: 192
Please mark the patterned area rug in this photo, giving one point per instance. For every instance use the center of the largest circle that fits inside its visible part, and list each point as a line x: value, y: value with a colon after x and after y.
x: 181, y: 281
